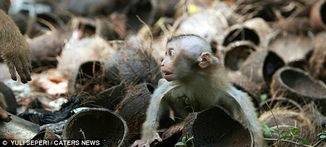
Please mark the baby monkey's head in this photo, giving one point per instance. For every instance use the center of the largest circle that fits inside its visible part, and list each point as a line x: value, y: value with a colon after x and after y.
x: 187, y: 56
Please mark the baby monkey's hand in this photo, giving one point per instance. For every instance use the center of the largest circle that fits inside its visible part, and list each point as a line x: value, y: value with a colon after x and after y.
x: 147, y: 142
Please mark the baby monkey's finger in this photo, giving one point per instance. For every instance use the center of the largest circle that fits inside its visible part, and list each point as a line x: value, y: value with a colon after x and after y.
x: 157, y: 137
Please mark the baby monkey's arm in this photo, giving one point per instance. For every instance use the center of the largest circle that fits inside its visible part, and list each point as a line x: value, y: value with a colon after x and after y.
x: 149, y: 129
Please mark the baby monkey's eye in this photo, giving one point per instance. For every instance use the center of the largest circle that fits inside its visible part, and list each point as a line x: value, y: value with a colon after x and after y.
x: 171, y: 52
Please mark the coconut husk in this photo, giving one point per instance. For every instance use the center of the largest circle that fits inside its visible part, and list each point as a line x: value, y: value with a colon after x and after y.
x: 316, y: 114
x: 90, y: 8
x: 297, y: 25
x: 133, y: 107
x: 108, y: 98
x: 46, y: 134
x: 243, y: 83
x: 162, y: 8
x: 237, y: 53
x: 132, y: 66
x: 269, y: 10
x: 88, y: 27
x: 318, y: 15
x: 261, y: 66
x: 88, y: 79
x: 240, y: 32
x: 283, y: 102
x: 209, y: 24
x: 290, y: 47
x: 208, y: 128
x: 18, y: 129
x: 21, y: 21
x: 9, y: 98
x: 47, y: 47
x: 105, y: 29
x: 297, y: 85
x: 85, y: 27
x: 97, y: 123
x: 285, y: 120
x: 256, y: 73
x: 255, y: 30
x: 262, y: 28
x: 51, y: 21
x: 173, y: 134
x: 41, y: 22
x: 77, y: 52
x: 317, y: 62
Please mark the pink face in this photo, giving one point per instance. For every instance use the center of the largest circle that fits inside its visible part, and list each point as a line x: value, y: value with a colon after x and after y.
x: 167, y: 65
x: 179, y: 56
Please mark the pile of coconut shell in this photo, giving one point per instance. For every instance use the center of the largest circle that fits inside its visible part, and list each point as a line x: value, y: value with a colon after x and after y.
x: 96, y: 64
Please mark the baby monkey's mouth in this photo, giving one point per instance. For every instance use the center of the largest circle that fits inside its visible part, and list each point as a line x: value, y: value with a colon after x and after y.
x: 166, y: 73
x: 169, y: 76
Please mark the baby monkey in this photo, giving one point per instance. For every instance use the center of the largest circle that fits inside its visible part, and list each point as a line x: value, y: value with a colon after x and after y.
x: 14, y: 49
x: 195, y: 78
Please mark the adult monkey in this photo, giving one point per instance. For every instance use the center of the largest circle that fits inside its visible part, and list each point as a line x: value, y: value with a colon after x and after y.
x: 193, y: 74
x: 14, y: 50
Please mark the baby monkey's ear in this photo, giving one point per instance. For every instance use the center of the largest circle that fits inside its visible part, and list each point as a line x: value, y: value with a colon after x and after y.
x: 206, y: 59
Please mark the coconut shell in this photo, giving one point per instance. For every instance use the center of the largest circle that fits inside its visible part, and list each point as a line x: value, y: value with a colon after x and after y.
x: 209, y: 25
x: 297, y: 85
x: 317, y: 61
x: 88, y: 78
x: 109, y: 98
x: 290, y: 47
x: 47, y: 134
x: 21, y: 21
x: 243, y: 83
x: 237, y: 53
x: 161, y: 9
x: 47, y: 47
x: 261, y: 27
x: 241, y: 32
x: 261, y: 66
x: 297, y: 25
x: 208, y: 128
x: 132, y: 66
x: 285, y: 120
x: 173, y: 134
x: 134, y: 106
x: 77, y: 52
x: 318, y: 15
x: 52, y: 21
x: 99, y: 124
x: 18, y: 129
x: 9, y: 97
x: 256, y: 72
x: 90, y: 8
x: 279, y: 102
x: 105, y: 29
